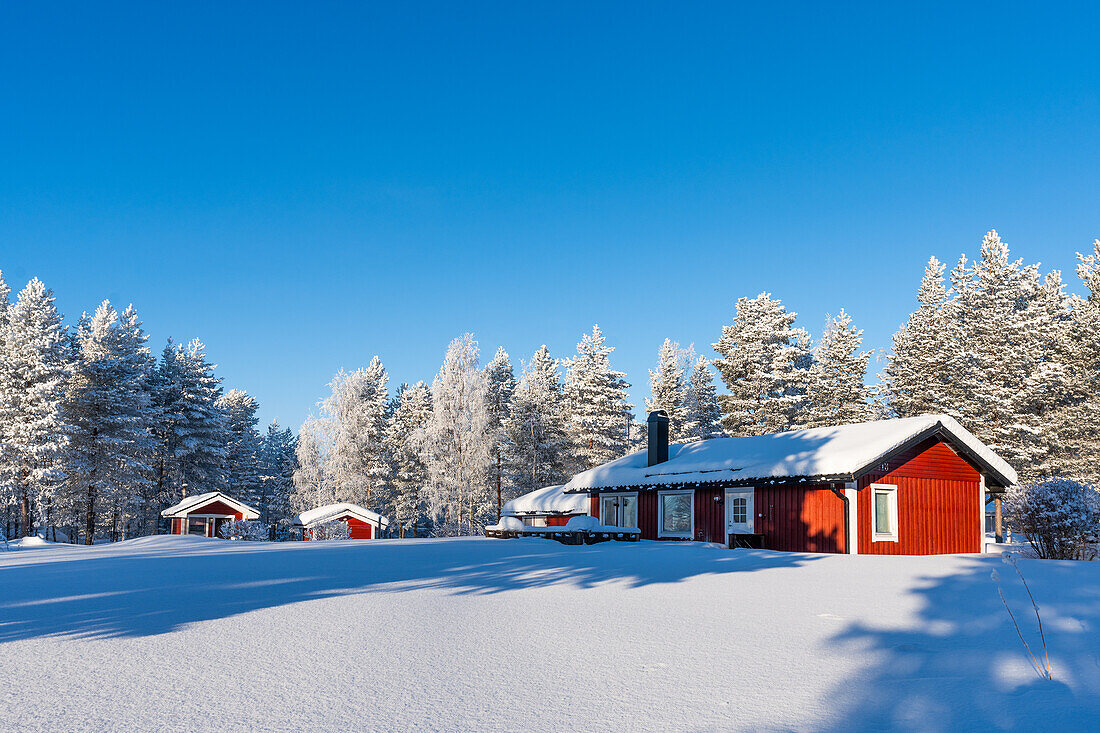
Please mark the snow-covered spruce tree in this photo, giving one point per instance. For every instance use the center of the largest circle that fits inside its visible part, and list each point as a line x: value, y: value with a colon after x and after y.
x: 407, y: 471
x: 456, y: 443
x: 190, y: 433
x: 1058, y: 516
x: 33, y: 374
x: 919, y: 377
x: 502, y: 383
x: 764, y: 364
x: 313, y: 482
x: 7, y: 488
x: 669, y: 388
x: 108, y: 418
x: 1073, y: 426
x: 596, y: 403
x: 835, y: 391
x: 538, y: 448
x: 702, y: 415
x: 357, y: 408
x: 243, y: 472
x: 277, y: 466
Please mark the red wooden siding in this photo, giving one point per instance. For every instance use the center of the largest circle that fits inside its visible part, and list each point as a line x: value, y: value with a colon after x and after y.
x: 214, y: 507
x: 800, y: 519
x: 647, y: 514
x: 710, y: 515
x: 358, y: 529
x: 938, y: 503
x: 560, y: 520
x: 594, y: 505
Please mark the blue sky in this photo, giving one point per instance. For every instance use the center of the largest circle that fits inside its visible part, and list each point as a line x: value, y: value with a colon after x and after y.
x: 304, y: 186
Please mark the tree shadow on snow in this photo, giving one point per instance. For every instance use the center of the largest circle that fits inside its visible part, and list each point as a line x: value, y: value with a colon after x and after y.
x: 964, y: 667
x: 155, y: 585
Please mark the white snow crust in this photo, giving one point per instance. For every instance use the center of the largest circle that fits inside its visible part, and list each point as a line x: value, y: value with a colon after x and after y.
x: 831, y: 451
x: 548, y: 500
x: 503, y: 635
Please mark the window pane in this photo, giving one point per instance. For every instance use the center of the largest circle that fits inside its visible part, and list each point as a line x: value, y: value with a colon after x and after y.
x: 882, y: 512
x: 630, y: 511
x: 607, y: 511
x: 740, y: 509
x: 677, y: 513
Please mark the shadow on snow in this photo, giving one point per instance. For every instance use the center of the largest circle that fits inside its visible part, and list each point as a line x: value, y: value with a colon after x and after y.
x: 154, y: 585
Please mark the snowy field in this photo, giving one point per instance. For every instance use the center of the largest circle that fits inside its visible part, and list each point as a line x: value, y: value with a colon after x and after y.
x: 179, y: 633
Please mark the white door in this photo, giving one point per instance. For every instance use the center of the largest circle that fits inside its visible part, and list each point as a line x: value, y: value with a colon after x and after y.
x: 740, y: 517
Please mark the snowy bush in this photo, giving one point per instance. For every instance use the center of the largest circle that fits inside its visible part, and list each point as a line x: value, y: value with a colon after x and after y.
x: 334, y: 530
x: 1060, y: 517
x: 242, y: 529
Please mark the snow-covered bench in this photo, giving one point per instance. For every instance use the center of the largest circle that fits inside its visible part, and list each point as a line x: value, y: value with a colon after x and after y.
x: 578, y: 531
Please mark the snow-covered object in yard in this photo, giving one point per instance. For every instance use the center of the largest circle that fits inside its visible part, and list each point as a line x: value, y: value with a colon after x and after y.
x: 362, y: 523
x: 583, y: 523
x: 508, y: 524
x: 546, y: 501
x: 840, y: 452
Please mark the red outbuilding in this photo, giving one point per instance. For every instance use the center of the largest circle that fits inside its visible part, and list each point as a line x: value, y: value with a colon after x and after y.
x: 363, y: 524
x: 910, y: 486
x: 203, y: 515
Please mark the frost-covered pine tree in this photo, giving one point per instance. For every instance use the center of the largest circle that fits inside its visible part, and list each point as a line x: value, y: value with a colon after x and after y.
x: 502, y: 383
x: 702, y: 415
x: 920, y: 375
x: 358, y: 410
x: 108, y: 418
x: 277, y: 466
x: 243, y: 471
x: 1073, y: 425
x: 538, y: 448
x: 596, y: 403
x: 669, y: 388
x: 190, y: 428
x: 33, y: 374
x: 408, y: 475
x: 835, y: 392
x: 456, y: 443
x: 763, y: 362
x: 313, y: 482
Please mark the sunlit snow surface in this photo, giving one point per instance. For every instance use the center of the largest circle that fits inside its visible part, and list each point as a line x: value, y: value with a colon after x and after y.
x: 180, y: 633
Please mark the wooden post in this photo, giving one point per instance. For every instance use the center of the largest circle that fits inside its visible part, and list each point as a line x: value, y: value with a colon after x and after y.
x: 998, y: 529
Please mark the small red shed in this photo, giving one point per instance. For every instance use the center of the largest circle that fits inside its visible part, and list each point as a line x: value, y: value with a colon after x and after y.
x: 363, y: 524
x: 910, y: 486
x: 203, y: 515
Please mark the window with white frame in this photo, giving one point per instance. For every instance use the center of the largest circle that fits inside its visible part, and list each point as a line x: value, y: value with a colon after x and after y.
x: 884, y: 512
x: 619, y: 510
x: 675, y: 514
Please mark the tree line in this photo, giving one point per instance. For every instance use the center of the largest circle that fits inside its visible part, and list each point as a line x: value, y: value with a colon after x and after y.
x: 95, y: 430
x: 97, y: 435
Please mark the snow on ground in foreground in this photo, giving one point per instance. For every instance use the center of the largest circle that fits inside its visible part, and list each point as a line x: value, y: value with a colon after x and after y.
x: 180, y: 633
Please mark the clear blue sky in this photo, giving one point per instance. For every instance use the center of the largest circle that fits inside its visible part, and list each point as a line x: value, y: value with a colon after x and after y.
x: 304, y: 186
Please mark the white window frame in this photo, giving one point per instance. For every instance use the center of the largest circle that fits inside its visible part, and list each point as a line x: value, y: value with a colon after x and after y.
x: 891, y: 492
x: 625, y: 495
x: 690, y: 534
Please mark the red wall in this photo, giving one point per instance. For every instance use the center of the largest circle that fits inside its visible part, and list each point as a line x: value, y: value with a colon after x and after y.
x: 358, y: 529
x: 710, y: 515
x: 560, y: 520
x: 800, y: 519
x: 938, y: 503
x: 215, y: 507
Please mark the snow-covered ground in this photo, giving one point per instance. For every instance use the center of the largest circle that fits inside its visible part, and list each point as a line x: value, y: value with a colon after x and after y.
x: 179, y: 633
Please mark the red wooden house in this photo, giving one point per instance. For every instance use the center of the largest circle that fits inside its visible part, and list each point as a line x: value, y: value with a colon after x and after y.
x: 363, y: 524
x: 203, y: 515
x: 911, y: 486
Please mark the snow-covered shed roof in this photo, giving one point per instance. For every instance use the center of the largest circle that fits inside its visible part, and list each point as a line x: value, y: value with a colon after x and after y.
x: 838, y: 452
x: 329, y: 512
x: 192, y: 503
x: 548, y: 500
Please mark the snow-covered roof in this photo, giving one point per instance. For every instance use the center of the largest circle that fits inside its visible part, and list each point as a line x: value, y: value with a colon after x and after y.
x: 329, y: 512
x: 548, y: 500
x: 188, y: 505
x: 841, y: 451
